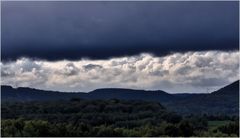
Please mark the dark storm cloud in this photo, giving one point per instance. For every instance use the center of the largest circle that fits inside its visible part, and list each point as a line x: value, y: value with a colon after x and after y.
x: 97, y: 30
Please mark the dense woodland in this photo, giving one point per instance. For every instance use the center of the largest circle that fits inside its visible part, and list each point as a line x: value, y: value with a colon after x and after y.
x: 224, y: 101
x: 78, y: 117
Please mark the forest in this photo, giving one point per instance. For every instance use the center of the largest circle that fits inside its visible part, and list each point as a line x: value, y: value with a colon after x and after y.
x: 113, y: 117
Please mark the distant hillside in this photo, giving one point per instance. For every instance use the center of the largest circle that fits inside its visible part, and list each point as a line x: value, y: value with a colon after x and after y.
x: 28, y: 94
x: 222, y: 101
x: 232, y: 89
x: 129, y: 94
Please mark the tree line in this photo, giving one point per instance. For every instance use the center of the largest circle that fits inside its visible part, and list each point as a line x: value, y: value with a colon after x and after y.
x: 112, y: 117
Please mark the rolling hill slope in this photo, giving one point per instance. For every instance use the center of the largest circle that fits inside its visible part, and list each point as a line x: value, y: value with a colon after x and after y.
x: 29, y: 94
x: 222, y: 101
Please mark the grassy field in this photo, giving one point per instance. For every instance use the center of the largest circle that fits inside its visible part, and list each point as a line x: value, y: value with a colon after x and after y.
x: 214, y: 124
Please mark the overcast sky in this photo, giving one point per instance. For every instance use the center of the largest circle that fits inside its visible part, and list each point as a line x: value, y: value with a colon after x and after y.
x: 80, y: 46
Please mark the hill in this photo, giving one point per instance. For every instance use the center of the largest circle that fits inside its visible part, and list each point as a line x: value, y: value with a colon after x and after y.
x: 222, y: 101
x: 129, y: 94
x: 232, y: 89
x: 29, y: 94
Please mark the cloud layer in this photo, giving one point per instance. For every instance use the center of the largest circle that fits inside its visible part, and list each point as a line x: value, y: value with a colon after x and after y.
x: 105, y: 29
x: 178, y: 72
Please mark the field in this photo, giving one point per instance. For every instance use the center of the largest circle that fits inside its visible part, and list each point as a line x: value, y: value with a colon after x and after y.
x: 214, y: 124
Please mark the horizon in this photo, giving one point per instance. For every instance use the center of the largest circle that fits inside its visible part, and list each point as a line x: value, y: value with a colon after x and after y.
x: 209, y: 92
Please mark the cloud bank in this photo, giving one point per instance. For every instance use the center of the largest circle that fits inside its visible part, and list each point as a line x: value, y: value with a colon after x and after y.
x: 179, y: 72
x: 105, y: 29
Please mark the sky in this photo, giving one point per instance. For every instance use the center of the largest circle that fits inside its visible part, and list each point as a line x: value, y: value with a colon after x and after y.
x: 179, y: 47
